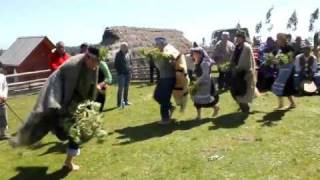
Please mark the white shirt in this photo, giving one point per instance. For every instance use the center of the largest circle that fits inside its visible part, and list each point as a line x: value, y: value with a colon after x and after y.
x: 3, y: 86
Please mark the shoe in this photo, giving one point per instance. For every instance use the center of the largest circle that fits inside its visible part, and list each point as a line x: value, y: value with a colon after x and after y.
x: 127, y: 103
x: 164, y: 122
x: 292, y: 106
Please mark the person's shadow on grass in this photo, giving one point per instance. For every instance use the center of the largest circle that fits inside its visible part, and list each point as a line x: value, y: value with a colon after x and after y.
x: 26, y: 173
x: 233, y: 120
x: 58, y: 148
x: 55, y: 147
x: 110, y: 109
x: 154, y: 130
x: 272, y: 117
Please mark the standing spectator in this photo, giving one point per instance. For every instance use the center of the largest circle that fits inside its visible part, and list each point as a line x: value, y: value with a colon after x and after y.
x: 104, y: 80
x: 297, y: 46
x: 268, y: 70
x: 305, y: 66
x: 3, y: 112
x: 123, y: 65
x: 58, y: 56
x: 222, y: 55
x: 243, y: 73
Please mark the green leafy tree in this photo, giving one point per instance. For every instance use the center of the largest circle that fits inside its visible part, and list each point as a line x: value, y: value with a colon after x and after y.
x: 313, y: 17
x: 258, y: 27
x: 293, y: 22
x: 268, y: 15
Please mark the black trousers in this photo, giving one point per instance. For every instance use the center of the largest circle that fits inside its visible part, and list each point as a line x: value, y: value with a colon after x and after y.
x: 224, y: 80
x: 154, y: 69
x: 101, y: 98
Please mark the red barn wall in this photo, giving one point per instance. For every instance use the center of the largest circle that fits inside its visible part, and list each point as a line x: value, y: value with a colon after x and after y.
x: 37, y: 60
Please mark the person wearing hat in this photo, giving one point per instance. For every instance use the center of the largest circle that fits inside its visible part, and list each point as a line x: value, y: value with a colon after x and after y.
x: 298, y: 46
x: 242, y: 73
x: 305, y: 65
x: 203, y: 93
x: 84, y: 48
x: 222, y: 54
x: 104, y: 78
x: 74, y: 82
x: 284, y: 83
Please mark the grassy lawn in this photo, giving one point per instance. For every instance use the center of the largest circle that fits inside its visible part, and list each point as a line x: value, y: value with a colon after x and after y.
x: 267, y: 145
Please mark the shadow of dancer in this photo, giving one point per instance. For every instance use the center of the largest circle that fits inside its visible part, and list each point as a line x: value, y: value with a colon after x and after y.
x: 154, y: 130
x: 233, y: 120
x: 26, y: 173
x: 270, y: 118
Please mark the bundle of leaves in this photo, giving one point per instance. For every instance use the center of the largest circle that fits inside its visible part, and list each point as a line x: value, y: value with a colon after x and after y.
x: 268, y: 58
x: 283, y: 59
x: 86, y: 123
x: 193, y: 89
x: 154, y: 54
x: 225, y: 66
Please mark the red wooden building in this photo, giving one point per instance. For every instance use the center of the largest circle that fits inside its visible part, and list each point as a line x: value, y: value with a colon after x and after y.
x: 27, y: 54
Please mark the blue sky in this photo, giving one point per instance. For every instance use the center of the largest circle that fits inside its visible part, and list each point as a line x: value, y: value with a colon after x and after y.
x: 77, y: 21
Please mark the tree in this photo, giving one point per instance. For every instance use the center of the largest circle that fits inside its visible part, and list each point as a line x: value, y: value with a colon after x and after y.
x: 268, y: 15
x: 203, y: 42
x: 313, y: 17
x: 238, y: 26
x: 258, y: 27
x: 270, y: 27
x: 293, y: 21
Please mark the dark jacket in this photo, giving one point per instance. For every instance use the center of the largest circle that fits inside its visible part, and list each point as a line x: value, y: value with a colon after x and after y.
x: 122, y: 64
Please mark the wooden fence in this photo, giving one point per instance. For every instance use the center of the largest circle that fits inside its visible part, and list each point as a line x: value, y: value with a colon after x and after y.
x: 140, y: 73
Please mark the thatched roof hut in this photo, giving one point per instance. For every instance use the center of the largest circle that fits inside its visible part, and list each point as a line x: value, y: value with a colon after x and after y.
x: 142, y: 37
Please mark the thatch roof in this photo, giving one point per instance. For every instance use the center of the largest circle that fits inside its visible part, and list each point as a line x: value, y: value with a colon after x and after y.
x: 143, y: 37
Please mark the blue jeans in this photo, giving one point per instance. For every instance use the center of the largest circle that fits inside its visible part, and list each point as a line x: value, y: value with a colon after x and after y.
x: 123, y: 88
x: 163, y: 94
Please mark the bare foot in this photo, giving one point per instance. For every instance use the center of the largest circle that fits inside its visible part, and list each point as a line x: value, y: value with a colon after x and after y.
x: 281, y: 108
x: 165, y: 122
x: 215, y: 111
x: 72, y: 166
x: 292, y: 106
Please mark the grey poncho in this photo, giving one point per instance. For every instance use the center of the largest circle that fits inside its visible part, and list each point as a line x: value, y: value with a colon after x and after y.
x: 68, y: 86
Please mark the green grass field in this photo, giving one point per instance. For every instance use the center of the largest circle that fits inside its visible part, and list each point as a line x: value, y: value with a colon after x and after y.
x: 266, y: 145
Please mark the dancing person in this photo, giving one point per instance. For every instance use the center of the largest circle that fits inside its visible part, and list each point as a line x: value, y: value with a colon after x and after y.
x: 204, y: 93
x: 243, y: 73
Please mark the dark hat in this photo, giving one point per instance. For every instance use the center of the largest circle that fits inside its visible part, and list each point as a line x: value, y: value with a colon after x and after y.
x: 93, y: 51
x: 84, y: 45
x: 160, y: 41
x: 241, y: 33
x: 196, y: 49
